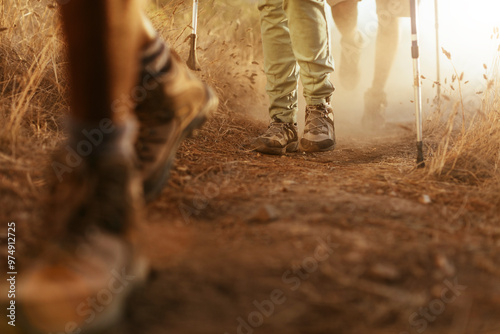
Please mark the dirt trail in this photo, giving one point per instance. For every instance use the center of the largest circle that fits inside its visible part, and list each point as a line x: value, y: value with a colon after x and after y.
x: 350, y: 241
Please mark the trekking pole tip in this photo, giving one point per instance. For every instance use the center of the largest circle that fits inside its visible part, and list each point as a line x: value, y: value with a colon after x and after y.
x: 192, y: 61
x: 420, y: 155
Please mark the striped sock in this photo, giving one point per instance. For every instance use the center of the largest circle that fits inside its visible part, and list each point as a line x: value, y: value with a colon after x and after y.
x: 155, y: 58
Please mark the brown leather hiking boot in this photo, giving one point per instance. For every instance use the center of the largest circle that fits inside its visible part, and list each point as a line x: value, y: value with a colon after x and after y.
x: 88, y: 270
x: 175, y: 103
x: 82, y: 284
x: 97, y: 179
x: 278, y: 139
x: 319, y: 131
x: 375, y: 107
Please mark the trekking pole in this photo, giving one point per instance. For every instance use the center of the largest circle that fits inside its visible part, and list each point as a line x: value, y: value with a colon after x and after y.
x: 192, y: 61
x: 438, y: 54
x: 416, y: 81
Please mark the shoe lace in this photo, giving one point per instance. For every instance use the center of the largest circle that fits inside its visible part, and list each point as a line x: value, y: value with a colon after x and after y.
x: 278, y: 129
x: 316, y: 119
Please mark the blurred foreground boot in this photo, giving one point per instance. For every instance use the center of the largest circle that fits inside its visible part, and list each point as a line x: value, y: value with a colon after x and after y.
x: 82, y: 286
x: 279, y: 138
x: 83, y: 278
x: 349, y: 62
x: 319, y: 130
x: 375, y: 107
x: 175, y: 102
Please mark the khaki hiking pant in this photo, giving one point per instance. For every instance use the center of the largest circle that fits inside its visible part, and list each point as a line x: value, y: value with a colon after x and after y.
x: 296, y: 41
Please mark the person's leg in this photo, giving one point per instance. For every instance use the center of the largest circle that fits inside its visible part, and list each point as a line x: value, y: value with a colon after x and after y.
x: 120, y: 72
x: 310, y: 37
x: 95, y: 193
x: 104, y: 39
x: 345, y: 16
x: 282, y: 74
x: 120, y: 68
x: 386, y: 47
x: 280, y: 65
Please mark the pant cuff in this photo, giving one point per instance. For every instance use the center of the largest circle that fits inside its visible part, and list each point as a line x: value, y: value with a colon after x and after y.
x: 315, y: 101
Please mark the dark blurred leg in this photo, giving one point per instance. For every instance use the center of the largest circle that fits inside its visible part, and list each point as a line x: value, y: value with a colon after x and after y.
x: 104, y: 42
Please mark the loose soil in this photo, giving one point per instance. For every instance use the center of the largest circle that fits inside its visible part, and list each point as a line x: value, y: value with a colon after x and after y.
x: 234, y: 227
x: 356, y: 240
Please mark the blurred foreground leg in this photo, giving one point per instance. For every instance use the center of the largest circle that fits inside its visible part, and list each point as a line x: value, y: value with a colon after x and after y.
x: 132, y: 103
x: 83, y: 279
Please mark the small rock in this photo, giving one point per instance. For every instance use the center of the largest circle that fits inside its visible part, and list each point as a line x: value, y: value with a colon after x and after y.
x: 436, y: 291
x: 265, y: 214
x: 355, y: 257
x: 385, y: 271
x: 445, y: 265
x: 425, y: 199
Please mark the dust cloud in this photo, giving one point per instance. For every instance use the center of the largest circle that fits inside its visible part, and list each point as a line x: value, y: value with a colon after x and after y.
x: 466, y: 31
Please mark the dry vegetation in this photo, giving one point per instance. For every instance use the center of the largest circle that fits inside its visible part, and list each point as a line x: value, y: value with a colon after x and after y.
x: 465, y: 144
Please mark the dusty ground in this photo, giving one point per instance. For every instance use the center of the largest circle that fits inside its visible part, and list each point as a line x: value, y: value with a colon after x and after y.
x: 234, y: 225
x: 351, y: 241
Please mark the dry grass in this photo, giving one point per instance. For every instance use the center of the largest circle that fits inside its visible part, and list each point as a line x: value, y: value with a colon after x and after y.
x: 467, y: 143
x: 32, y: 101
x: 31, y: 78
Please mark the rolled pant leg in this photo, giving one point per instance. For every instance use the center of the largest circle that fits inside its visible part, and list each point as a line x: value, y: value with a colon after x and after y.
x: 279, y: 61
x: 309, y: 33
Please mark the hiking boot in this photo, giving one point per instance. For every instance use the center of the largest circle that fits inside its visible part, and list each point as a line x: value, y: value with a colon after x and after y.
x: 175, y: 103
x: 375, y: 107
x: 94, y: 202
x: 84, y: 281
x: 97, y: 179
x: 319, y: 131
x: 279, y: 138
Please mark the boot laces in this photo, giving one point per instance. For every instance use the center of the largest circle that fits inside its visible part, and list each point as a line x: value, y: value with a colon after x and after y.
x: 316, y: 122
x: 278, y: 129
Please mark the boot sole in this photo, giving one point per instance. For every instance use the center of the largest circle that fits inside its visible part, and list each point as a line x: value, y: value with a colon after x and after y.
x: 311, y: 146
x: 292, y: 147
